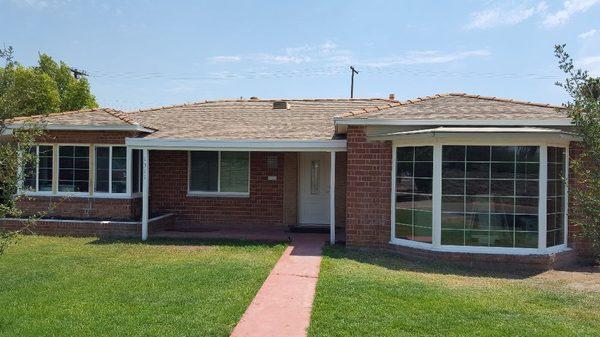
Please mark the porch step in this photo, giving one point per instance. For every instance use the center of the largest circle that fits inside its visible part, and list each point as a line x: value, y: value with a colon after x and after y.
x: 309, y: 228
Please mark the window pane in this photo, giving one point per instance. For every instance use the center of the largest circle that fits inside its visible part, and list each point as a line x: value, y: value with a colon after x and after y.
x: 555, y: 197
x: 45, y: 168
x: 495, y: 198
x: 234, y: 171
x: 29, y: 170
x: 136, y: 169
x: 414, y: 172
x: 119, y: 169
x: 73, y: 168
x: 204, y: 171
x: 102, y: 167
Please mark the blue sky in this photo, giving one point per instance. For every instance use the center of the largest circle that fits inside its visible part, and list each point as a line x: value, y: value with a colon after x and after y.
x: 150, y: 53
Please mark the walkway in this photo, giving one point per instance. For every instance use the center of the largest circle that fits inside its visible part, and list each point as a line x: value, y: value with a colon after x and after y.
x: 283, y: 304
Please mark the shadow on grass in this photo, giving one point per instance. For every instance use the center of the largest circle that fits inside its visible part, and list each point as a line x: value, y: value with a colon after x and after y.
x: 397, y: 262
x: 185, y: 242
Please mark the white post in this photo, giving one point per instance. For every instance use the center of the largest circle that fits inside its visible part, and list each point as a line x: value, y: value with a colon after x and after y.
x: 332, y: 199
x: 543, y: 189
x: 437, y: 196
x: 145, y: 192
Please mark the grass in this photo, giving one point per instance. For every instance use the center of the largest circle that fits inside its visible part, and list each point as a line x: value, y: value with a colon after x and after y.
x: 53, y: 286
x: 375, y: 294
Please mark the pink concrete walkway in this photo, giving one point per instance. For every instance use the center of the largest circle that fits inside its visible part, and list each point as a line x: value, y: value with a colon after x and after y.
x: 283, y: 304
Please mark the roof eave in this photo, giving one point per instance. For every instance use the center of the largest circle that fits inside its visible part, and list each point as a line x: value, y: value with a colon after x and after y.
x: 454, y: 122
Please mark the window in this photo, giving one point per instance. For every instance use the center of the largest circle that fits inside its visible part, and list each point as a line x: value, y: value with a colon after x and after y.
x: 111, y: 169
x: 414, y: 173
x: 315, y: 176
x: 490, y: 196
x: 38, y: 175
x: 555, y: 197
x: 213, y: 171
x: 136, y: 169
x: 73, y: 168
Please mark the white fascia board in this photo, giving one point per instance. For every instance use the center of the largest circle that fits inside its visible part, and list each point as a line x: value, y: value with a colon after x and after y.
x: 454, y: 122
x: 57, y: 127
x: 237, y: 145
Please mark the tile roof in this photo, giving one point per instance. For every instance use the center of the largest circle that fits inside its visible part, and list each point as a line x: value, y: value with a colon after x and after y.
x: 461, y: 106
x: 306, y: 119
x: 103, y: 116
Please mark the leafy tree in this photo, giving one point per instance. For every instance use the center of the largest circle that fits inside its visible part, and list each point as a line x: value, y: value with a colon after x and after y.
x: 584, y: 109
x: 45, y: 88
x: 12, y: 142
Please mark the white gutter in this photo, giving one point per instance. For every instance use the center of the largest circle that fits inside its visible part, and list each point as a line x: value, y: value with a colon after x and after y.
x: 237, y: 145
x: 454, y: 122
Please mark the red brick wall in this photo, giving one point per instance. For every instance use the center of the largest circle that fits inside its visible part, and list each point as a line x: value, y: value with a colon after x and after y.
x: 368, y: 189
x: 168, y: 194
x: 76, y: 207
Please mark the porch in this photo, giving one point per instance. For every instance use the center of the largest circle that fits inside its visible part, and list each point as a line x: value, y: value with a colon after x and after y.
x: 259, y: 190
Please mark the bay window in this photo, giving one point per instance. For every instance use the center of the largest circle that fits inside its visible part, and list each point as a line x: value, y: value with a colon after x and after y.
x: 488, y: 197
x: 219, y: 172
x: 414, y: 173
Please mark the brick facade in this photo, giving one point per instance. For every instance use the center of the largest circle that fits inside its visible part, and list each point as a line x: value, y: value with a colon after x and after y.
x: 82, y: 208
x: 264, y: 206
x: 368, y: 189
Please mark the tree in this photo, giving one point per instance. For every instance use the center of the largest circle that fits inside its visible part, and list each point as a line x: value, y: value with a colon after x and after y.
x: 584, y: 109
x: 45, y: 88
x: 12, y: 143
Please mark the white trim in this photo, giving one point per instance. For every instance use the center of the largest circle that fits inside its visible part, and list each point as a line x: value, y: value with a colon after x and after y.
x: 145, y: 194
x: 480, y: 250
x: 393, y: 197
x: 128, y: 171
x: 236, y: 145
x: 219, y: 194
x: 478, y: 122
x: 436, y: 234
x: 332, y: 199
x: 542, y: 195
x: 91, y: 127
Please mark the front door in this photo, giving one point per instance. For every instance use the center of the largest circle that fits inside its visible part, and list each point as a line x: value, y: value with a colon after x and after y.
x: 313, y: 188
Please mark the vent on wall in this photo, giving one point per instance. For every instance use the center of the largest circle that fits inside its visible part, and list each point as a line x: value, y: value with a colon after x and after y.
x: 281, y: 105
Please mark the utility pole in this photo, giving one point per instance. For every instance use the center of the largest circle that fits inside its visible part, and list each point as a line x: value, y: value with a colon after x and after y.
x: 354, y: 71
x: 78, y: 73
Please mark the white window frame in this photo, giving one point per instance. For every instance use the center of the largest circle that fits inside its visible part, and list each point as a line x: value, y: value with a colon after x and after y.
x: 217, y: 193
x: 437, y: 196
x: 37, y: 171
x: 92, y: 175
x: 110, y: 159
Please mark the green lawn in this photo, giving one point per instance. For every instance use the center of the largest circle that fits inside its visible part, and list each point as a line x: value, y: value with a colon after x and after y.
x: 87, y: 287
x: 369, y: 294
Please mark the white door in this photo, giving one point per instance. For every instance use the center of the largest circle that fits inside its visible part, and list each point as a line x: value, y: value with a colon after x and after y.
x: 313, y: 188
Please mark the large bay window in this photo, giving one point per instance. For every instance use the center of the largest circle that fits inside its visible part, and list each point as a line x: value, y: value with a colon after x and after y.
x: 488, y: 197
x: 219, y: 172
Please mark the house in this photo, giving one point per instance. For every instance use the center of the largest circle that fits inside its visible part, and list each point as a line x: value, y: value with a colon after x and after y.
x: 451, y: 176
